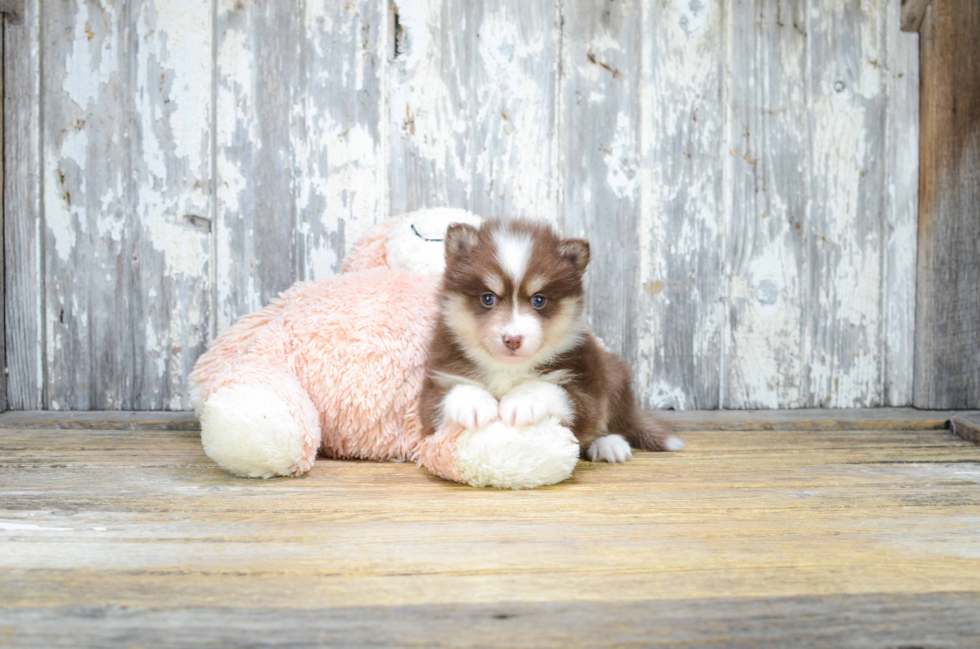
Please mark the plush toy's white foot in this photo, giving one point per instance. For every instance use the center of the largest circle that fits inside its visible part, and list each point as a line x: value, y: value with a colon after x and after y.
x: 510, y: 458
x: 251, y: 432
x: 611, y: 448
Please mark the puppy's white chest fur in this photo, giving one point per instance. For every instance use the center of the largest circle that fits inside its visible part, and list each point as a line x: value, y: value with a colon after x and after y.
x: 500, y: 380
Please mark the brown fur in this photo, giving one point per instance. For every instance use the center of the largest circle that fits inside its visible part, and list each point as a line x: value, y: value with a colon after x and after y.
x: 597, y: 381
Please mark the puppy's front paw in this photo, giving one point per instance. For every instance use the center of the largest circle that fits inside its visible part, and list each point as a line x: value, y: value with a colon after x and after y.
x: 533, y: 402
x: 469, y: 406
x: 611, y: 448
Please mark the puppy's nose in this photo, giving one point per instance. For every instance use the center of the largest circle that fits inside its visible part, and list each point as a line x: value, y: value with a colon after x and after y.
x: 513, y: 341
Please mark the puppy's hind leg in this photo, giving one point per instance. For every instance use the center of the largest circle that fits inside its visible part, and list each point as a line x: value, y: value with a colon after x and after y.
x: 641, y: 429
x: 652, y: 434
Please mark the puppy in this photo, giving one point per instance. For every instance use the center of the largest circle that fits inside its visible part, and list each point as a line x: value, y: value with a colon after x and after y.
x: 512, y: 344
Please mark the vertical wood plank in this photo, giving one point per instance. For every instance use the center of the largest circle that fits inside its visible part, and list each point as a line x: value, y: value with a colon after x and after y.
x: 126, y: 158
x: 675, y: 297
x: 3, y: 334
x: 257, y: 74
x: 88, y: 254
x: 171, y: 196
x: 768, y: 150
x: 472, y: 106
x: 300, y: 170
x: 844, y: 230
x: 23, y: 213
x: 901, y: 213
x: 337, y: 130
x: 947, y: 362
x: 600, y: 141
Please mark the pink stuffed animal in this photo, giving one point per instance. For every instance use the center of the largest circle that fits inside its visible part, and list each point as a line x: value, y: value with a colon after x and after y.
x: 335, y: 366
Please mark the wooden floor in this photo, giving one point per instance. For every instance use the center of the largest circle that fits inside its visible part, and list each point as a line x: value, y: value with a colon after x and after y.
x: 803, y: 529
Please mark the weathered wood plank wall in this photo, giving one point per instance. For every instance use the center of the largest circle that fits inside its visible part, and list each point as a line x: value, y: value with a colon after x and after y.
x: 947, y: 351
x: 299, y: 147
x: 24, y: 327
x: 3, y: 337
x: 745, y: 169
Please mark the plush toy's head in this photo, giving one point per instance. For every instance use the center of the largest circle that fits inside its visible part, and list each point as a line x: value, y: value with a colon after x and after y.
x: 412, y: 242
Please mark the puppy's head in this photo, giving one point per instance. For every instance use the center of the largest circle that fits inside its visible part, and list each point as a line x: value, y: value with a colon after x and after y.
x: 512, y: 291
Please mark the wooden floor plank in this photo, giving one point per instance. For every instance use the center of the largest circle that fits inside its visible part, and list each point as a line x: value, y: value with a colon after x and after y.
x: 945, y: 619
x: 115, y: 529
x: 967, y: 426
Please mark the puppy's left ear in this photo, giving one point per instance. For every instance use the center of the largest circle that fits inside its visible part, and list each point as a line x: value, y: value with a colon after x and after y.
x: 460, y: 237
x: 575, y: 251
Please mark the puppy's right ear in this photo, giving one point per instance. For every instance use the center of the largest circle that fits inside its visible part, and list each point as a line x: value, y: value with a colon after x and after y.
x: 460, y: 237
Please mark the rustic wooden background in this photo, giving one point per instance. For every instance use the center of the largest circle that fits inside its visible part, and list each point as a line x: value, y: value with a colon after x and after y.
x: 745, y: 169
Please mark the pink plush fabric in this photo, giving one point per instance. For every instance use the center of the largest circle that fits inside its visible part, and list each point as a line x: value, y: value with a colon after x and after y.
x: 437, y: 453
x: 356, y: 345
x: 370, y: 251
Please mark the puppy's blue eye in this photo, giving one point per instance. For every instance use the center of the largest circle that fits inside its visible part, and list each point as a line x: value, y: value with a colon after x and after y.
x: 538, y: 301
x: 488, y: 299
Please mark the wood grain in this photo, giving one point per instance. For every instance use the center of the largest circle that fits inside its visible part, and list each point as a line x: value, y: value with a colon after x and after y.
x: 114, y: 420
x: 126, y: 199
x: 913, y: 13
x: 170, y: 168
x: 967, y: 426
x: 901, y: 211
x: 299, y: 129
x: 472, y: 111
x: 767, y: 151
x: 751, y: 536
x: 600, y: 144
x: 844, y: 227
x: 13, y: 11
x: 947, y: 366
x: 23, y: 212
x: 806, y: 419
x: 3, y: 334
x: 677, y: 314
x: 689, y: 420
x: 945, y: 619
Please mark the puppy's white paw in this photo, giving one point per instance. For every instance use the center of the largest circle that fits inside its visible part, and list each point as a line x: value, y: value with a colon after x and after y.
x: 674, y: 443
x: 469, y: 406
x: 611, y: 448
x: 533, y: 402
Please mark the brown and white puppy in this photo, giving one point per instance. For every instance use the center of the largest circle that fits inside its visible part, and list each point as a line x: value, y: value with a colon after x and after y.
x: 512, y: 344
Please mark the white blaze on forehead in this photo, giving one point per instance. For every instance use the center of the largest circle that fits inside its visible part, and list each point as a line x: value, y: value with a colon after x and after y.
x: 513, y: 253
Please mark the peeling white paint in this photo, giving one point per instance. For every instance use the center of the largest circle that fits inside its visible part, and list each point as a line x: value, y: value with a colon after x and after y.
x: 63, y: 218
x: 91, y: 61
x: 478, y: 129
x: 620, y: 167
x: 782, y: 302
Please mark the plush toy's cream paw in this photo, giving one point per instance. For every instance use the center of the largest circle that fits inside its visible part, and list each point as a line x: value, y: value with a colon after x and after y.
x: 535, y: 401
x: 611, y: 448
x: 251, y: 432
x: 505, y: 457
x: 469, y: 406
